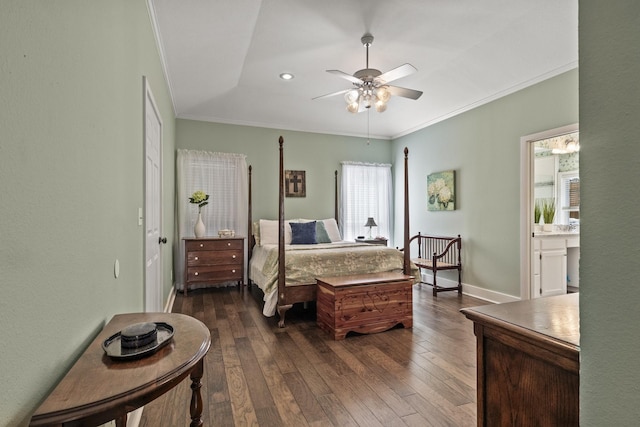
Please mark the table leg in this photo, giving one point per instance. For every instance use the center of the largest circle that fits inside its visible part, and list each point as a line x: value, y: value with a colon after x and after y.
x: 121, y: 421
x: 196, y: 396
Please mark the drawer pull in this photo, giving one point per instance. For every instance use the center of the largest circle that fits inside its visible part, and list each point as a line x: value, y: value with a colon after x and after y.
x: 202, y: 245
x: 228, y: 243
x: 233, y: 271
x: 195, y: 274
x: 233, y: 256
x: 196, y: 258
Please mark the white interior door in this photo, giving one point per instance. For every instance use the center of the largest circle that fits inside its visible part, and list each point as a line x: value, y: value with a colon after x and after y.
x: 153, y: 202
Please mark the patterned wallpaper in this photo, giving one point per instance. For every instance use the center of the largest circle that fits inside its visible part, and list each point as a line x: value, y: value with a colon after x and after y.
x: 566, y: 162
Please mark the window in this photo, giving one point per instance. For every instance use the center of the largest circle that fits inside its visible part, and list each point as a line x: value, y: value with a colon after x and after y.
x: 365, y: 191
x: 569, y: 197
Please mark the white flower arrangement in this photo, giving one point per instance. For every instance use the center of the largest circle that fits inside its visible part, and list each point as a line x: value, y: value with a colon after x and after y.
x: 199, y: 198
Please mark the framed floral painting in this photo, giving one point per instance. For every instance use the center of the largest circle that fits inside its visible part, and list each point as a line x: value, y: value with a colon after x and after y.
x: 441, y: 194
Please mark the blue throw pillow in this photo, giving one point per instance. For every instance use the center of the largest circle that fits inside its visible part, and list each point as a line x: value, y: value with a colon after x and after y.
x: 303, y: 233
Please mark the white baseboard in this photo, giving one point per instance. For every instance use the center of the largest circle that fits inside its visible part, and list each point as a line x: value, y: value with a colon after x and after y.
x: 487, y: 295
x: 172, y: 298
x: 133, y: 418
x: 472, y: 291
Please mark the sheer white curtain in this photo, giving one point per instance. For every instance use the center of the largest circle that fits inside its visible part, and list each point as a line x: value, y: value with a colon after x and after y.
x: 365, y: 191
x: 223, y: 176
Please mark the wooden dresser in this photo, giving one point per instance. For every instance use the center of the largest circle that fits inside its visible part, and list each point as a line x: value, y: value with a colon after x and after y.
x: 528, y: 362
x: 213, y: 260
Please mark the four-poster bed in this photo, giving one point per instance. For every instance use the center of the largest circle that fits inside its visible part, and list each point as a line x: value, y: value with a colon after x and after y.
x: 290, y: 279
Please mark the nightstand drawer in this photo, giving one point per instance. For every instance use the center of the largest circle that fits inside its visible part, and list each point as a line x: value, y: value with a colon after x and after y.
x: 215, y: 257
x: 214, y: 273
x: 214, y: 245
x: 380, y: 241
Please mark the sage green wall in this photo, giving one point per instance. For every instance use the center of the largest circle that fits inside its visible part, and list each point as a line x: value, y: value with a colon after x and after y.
x: 609, y: 253
x: 71, y: 174
x: 317, y: 154
x: 483, y: 147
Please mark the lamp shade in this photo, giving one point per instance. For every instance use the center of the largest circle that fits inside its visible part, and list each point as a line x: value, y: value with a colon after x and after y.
x: 370, y: 223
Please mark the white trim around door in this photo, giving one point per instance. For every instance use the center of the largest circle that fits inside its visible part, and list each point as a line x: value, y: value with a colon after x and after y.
x: 526, y: 202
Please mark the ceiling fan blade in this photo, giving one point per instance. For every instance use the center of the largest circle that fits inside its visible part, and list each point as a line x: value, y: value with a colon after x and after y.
x: 346, y: 76
x: 404, y: 92
x: 340, y: 92
x: 397, y: 73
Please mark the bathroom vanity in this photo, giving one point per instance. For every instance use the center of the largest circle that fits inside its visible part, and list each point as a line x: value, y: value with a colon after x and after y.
x: 556, y: 256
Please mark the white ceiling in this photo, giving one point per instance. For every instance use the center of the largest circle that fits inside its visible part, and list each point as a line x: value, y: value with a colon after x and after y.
x: 223, y: 58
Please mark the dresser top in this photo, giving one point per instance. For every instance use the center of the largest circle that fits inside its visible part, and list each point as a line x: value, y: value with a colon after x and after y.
x: 213, y: 238
x: 555, y: 317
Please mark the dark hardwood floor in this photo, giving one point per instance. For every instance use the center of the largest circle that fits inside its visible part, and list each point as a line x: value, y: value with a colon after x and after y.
x: 259, y: 374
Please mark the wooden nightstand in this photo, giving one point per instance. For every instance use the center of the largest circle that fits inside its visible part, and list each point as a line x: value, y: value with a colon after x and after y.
x: 213, y: 260
x: 382, y: 241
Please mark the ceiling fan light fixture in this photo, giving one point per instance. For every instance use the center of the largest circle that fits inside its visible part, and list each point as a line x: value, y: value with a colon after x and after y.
x: 383, y: 94
x: 351, y: 96
x: 381, y: 107
x: 353, y: 107
x: 366, y: 101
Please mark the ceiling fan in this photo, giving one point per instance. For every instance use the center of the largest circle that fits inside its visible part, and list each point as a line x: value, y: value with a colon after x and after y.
x: 371, y: 87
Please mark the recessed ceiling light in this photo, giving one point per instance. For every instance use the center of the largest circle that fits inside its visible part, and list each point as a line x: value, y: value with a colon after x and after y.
x: 286, y: 76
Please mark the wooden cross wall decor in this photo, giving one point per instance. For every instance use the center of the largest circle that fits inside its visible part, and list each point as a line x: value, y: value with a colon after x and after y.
x: 295, y: 183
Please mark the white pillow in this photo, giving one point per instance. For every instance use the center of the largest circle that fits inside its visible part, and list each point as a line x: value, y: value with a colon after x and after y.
x: 255, y: 230
x: 269, y: 232
x: 332, y: 229
x: 330, y: 225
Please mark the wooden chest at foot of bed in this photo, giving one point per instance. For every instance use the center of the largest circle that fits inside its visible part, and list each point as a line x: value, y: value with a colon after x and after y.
x: 365, y: 303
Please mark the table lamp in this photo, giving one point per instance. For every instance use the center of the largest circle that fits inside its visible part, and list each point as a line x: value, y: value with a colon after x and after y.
x: 370, y: 223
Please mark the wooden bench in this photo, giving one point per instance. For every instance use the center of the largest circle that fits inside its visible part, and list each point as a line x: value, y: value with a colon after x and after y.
x: 437, y: 253
x: 365, y: 303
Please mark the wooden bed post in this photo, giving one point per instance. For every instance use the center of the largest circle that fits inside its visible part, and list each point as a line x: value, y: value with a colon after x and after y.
x: 282, y: 300
x: 407, y: 254
x: 249, y: 225
x: 335, y: 200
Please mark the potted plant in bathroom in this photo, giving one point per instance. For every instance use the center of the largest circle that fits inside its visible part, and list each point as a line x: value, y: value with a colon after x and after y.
x: 548, y: 213
x: 537, y: 213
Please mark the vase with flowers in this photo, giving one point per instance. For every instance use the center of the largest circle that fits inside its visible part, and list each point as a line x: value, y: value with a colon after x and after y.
x: 201, y: 199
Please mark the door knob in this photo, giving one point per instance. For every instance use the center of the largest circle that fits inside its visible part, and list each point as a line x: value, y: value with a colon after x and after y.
x: 162, y: 240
